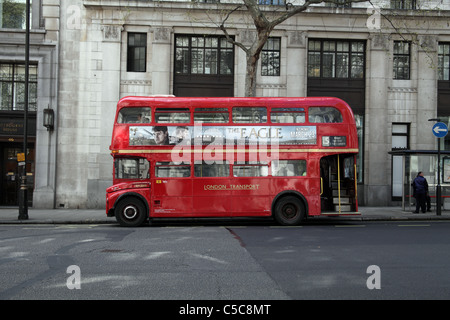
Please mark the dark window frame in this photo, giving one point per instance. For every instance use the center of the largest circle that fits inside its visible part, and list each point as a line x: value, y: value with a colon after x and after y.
x: 404, y: 4
x: 444, y: 61
x: 187, y: 45
x: 320, y: 49
x: 136, y: 52
x: 402, y: 60
x: 406, y: 134
x: 272, y: 2
x: 14, y: 83
x: 271, y: 57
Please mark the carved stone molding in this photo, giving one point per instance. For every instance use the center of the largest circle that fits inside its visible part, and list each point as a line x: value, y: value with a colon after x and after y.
x: 428, y: 43
x: 247, y: 36
x: 271, y: 86
x: 402, y: 90
x: 162, y: 34
x: 111, y: 33
x: 297, y: 39
x: 379, y: 42
x: 136, y: 82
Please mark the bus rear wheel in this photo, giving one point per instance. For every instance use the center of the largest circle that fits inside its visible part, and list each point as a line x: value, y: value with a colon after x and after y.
x: 289, y: 211
x: 131, y: 212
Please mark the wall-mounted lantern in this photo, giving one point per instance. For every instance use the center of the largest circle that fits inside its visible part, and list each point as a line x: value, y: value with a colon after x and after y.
x: 49, y: 119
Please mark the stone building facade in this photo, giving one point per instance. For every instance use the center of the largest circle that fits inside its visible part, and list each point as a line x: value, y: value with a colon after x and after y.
x: 90, y: 53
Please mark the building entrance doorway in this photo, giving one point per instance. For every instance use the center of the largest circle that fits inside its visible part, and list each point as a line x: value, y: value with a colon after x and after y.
x: 10, y: 173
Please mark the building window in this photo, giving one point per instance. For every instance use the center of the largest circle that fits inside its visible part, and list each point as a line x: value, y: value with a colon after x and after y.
x: 137, y: 52
x: 400, y: 141
x: 270, y: 57
x: 403, y: 4
x: 13, y: 14
x: 400, y: 136
x: 340, y: 4
x: 12, y: 87
x: 272, y: 2
x: 336, y: 59
x: 444, y: 61
x: 402, y: 60
x: 203, y: 55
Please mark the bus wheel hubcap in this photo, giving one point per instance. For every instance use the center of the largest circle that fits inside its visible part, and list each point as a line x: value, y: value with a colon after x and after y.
x: 130, y: 212
x: 290, y: 211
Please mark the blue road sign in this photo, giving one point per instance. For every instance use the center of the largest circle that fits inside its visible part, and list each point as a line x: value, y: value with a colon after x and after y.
x: 440, y: 130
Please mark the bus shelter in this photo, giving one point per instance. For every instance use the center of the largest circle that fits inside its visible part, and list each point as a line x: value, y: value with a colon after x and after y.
x: 406, y: 164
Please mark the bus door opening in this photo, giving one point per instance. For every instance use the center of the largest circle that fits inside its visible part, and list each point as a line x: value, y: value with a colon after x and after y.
x: 338, y: 184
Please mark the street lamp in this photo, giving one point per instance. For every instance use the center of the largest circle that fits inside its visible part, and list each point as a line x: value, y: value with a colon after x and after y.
x: 23, y: 192
x: 439, y: 130
x: 49, y: 119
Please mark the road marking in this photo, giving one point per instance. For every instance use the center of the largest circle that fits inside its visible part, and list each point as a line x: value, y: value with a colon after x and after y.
x: 350, y: 226
x: 285, y: 227
x: 414, y: 225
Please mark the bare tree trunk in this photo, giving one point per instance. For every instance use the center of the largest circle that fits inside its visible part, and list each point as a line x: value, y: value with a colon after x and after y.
x: 251, y: 74
x: 253, y: 56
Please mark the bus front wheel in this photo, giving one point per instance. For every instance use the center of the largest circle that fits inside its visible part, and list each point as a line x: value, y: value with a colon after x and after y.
x: 131, y: 212
x: 289, y: 211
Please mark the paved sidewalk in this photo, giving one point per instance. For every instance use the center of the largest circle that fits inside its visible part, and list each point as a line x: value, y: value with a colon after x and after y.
x: 91, y: 216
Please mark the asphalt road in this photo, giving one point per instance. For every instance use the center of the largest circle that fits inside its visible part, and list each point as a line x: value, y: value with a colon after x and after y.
x: 245, y: 261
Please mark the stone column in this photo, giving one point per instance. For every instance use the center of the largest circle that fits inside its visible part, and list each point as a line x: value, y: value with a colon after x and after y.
x: 106, y: 77
x: 426, y: 90
x: 161, y: 60
x: 297, y: 64
x: 376, y: 179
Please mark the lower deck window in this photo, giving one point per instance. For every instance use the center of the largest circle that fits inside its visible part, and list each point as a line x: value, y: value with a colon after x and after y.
x: 279, y: 168
x: 288, y: 168
x: 131, y: 168
x: 163, y: 170
x: 251, y: 170
x: 215, y: 169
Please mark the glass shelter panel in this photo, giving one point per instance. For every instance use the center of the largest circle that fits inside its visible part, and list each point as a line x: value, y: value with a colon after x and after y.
x: 427, y: 163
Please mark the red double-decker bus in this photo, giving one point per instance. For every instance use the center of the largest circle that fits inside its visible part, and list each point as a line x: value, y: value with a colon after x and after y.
x: 289, y: 158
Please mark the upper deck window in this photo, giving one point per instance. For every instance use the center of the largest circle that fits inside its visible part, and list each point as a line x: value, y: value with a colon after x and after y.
x: 287, y: 115
x: 324, y: 115
x: 249, y: 114
x: 172, y: 115
x: 211, y: 115
x: 135, y: 115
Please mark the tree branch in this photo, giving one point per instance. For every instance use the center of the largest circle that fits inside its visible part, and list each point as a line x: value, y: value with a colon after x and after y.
x: 297, y: 9
x: 227, y: 35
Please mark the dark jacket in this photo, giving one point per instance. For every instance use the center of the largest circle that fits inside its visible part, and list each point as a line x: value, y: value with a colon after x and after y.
x: 420, y: 185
